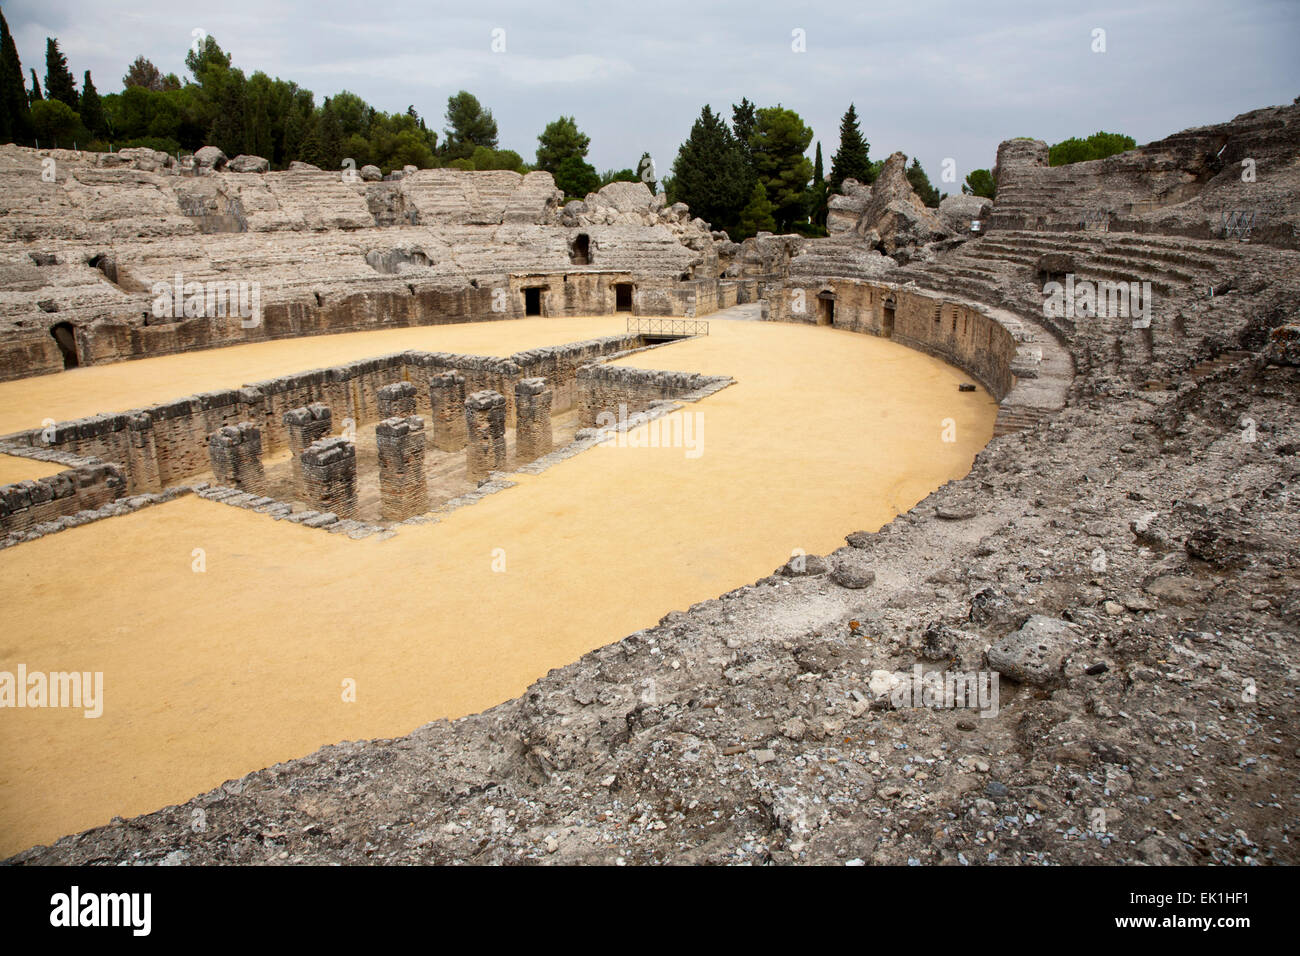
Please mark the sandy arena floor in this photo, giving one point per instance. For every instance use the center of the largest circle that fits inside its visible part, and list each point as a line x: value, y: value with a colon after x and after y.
x: 210, y: 675
x: 13, y: 468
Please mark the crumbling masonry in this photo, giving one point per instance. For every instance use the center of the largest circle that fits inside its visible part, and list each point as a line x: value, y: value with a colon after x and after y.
x: 236, y: 453
x: 485, y: 426
x: 396, y: 400
x: 402, y: 491
x: 305, y: 426
x: 532, y: 419
x: 447, y: 396
x: 329, y: 471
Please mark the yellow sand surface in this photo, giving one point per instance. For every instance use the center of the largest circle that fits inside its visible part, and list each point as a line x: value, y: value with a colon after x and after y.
x: 209, y: 675
x: 16, y: 468
x: 79, y: 392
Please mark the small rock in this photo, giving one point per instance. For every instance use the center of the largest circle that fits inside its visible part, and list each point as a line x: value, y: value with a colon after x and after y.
x: 853, y: 578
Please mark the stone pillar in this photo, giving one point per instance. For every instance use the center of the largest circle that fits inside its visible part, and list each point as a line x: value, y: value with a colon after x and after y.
x: 142, y: 464
x: 402, y: 491
x: 447, y: 397
x: 304, y: 427
x: 532, y: 419
x: 236, y: 453
x: 485, y: 427
x: 329, y: 476
x: 396, y: 400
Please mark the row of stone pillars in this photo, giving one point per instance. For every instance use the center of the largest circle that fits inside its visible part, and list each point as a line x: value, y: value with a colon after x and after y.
x: 325, y: 468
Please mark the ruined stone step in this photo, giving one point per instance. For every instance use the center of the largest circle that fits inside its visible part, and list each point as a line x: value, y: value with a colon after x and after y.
x: 1012, y: 419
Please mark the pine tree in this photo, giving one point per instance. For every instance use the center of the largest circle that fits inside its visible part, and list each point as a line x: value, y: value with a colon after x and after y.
x: 143, y: 73
x: 851, y: 161
x: 710, y: 172
x: 561, y: 140
x: 921, y: 184
x: 468, y: 125
x: 779, y: 141
x: 15, y: 121
x: 330, y: 133
x: 756, y: 217
x: 979, y: 182
x: 92, y: 109
x: 59, y: 82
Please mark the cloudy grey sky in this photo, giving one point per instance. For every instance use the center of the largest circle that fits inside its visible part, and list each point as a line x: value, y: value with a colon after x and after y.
x: 934, y: 79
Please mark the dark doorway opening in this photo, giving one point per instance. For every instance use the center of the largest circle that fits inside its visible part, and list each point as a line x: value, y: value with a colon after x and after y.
x: 623, y: 297
x: 825, y: 309
x: 67, y: 342
x: 887, y: 324
x: 580, y: 251
x: 533, y: 301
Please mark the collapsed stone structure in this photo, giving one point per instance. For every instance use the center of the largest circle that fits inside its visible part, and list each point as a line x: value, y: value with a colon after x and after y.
x: 1123, y: 551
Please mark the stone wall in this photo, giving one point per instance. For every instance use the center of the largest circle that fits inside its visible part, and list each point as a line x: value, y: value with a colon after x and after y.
x: 960, y: 334
x: 86, y: 487
x: 168, y: 443
x: 618, y: 390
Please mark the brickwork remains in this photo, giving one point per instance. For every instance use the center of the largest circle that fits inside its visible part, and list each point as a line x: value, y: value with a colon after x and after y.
x: 485, y: 427
x: 236, y: 455
x: 304, y: 427
x: 396, y: 400
x: 532, y: 419
x: 329, y: 472
x: 402, y: 490
x: 447, y: 399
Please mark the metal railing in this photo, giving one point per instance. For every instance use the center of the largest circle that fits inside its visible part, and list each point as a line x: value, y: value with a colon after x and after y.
x: 679, y: 328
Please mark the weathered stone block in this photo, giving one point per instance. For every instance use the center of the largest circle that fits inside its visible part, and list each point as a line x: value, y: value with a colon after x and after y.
x: 485, y: 427
x: 533, y: 437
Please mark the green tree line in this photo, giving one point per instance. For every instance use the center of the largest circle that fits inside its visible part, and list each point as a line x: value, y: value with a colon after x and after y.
x: 747, y: 175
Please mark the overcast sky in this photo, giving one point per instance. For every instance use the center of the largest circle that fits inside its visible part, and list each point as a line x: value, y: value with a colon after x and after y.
x: 934, y: 80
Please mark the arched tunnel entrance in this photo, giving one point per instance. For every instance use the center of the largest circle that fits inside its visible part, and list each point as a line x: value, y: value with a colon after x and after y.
x: 67, y: 342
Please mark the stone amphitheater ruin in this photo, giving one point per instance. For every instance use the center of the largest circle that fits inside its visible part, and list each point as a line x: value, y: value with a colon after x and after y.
x: 242, y: 412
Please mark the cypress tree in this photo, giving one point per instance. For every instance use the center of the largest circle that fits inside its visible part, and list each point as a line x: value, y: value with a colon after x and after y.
x: 59, y: 82
x: 35, y: 94
x: 819, y: 194
x: 15, y: 122
x: 92, y: 109
x: 851, y: 161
